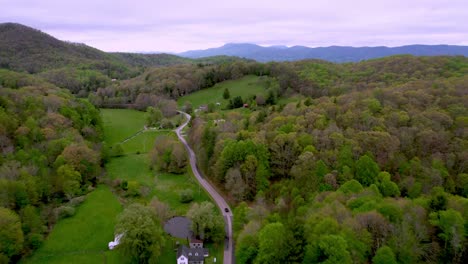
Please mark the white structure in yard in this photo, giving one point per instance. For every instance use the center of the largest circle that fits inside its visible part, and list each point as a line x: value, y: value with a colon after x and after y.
x: 116, y: 241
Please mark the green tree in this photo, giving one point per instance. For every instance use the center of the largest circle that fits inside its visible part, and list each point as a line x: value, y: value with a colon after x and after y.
x: 451, y: 227
x: 366, y: 170
x: 153, y: 117
x: 207, y: 224
x: 226, y: 94
x: 384, y: 255
x: 330, y: 249
x: 273, y: 243
x: 68, y: 181
x: 386, y: 186
x: 11, y: 235
x: 143, y: 237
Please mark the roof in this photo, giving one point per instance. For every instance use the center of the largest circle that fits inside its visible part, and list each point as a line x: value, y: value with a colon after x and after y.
x: 193, y: 254
x: 194, y: 240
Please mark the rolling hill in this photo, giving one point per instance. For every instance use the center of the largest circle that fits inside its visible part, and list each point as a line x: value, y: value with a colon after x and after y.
x: 333, y: 53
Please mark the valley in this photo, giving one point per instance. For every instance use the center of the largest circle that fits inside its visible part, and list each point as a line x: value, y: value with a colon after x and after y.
x: 304, y: 161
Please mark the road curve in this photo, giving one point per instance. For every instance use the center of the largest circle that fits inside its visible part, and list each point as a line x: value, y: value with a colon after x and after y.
x: 219, y: 200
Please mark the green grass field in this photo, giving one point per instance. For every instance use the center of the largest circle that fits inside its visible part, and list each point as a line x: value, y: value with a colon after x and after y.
x: 134, y: 167
x: 120, y: 124
x: 83, y: 238
x: 245, y: 87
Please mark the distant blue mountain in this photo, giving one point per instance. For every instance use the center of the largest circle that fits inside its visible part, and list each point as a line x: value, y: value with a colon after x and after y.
x: 332, y: 53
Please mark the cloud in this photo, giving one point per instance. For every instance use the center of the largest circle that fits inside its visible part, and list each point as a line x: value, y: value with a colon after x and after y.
x: 177, y: 25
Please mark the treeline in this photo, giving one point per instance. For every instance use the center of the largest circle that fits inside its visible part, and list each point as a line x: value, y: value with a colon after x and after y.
x: 312, y: 78
x: 50, y: 157
x: 172, y: 82
x: 363, y: 169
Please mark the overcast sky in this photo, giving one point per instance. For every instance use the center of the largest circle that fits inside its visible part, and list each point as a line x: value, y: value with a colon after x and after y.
x: 176, y: 25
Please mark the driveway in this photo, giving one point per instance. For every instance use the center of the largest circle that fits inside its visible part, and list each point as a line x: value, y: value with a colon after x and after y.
x: 219, y: 200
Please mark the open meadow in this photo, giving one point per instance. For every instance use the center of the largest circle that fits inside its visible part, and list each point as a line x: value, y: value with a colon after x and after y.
x: 245, y: 87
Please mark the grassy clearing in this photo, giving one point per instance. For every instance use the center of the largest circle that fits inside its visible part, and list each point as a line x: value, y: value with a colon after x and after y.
x: 120, y: 124
x: 142, y: 143
x: 244, y: 87
x: 83, y: 238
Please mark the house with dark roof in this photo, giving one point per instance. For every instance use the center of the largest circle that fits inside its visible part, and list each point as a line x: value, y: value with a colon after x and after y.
x: 186, y: 255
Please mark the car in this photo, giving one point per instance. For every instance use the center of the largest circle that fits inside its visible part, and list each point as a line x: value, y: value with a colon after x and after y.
x: 226, y: 210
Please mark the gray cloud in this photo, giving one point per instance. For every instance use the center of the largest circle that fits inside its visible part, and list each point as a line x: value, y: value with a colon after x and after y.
x: 177, y: 25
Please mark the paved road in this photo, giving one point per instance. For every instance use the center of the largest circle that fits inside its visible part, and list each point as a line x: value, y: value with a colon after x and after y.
x: 228, y: 249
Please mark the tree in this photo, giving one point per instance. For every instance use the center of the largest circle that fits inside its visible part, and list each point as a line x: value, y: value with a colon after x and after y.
x: 68, y: 181
x: 142, y: 238
x: 384, y: 255
x: 333, y: 249
x: 226, y: 94
x: 284, y: 152
x: 11, y: 235
x: 386, y: 186
x: 366, y: 170
x: 452, y: 231
x: 188, y: 108
x: 236, y: 102
x: 206, y: 223
x: 273, y: 242
x: 82, y: 159
x: 153, y: 116
x: 236, y: 184
x: 168, y: 155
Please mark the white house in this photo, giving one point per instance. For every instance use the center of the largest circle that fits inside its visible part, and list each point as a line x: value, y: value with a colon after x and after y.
x: 187, y: 255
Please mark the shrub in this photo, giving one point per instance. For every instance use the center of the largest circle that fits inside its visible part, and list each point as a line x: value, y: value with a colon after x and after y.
x: 133, y: 188
x: 186, y: 196
x: 77, y: 201
x: 64, y: 211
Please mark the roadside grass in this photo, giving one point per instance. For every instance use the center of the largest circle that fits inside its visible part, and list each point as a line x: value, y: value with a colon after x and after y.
x: 245, y: 87
x: 83, y: 238
x: 120, y: 124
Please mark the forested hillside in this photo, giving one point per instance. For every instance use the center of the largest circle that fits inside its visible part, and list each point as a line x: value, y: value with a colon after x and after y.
x: 74, y: 66
x: 50, y: 156
x: 369, y: 166
x: 324, y: 163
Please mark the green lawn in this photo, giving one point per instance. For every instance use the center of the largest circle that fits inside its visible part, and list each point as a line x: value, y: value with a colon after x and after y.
x: 142, y: 143
x: 83, y: 238
x: 245, y: 87
x: 120, y: 124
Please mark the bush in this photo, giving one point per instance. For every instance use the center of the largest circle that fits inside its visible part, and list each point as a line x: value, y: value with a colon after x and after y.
x: 34, y: 240
x: 186, y: 196
x: 133, y: 188
x: 64, y: 211
x: 77, y: 201
x: 124, y: 185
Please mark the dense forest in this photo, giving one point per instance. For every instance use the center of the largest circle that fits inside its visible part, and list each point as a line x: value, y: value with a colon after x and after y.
x: 50, y: 145
x: 369, y: 166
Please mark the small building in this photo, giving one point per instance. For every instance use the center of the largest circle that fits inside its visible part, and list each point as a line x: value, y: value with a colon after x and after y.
x: 195, y: 243
x: 187, y: 255
x: 246, y: 105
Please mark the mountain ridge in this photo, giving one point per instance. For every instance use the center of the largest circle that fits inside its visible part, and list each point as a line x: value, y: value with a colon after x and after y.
x: 331, y: 53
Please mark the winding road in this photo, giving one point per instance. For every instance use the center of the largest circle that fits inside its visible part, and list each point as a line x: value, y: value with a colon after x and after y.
x: 219, y: 200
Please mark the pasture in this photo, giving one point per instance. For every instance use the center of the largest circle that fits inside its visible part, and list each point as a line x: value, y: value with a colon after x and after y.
x: 245, y: 87
x: 83, y: 238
